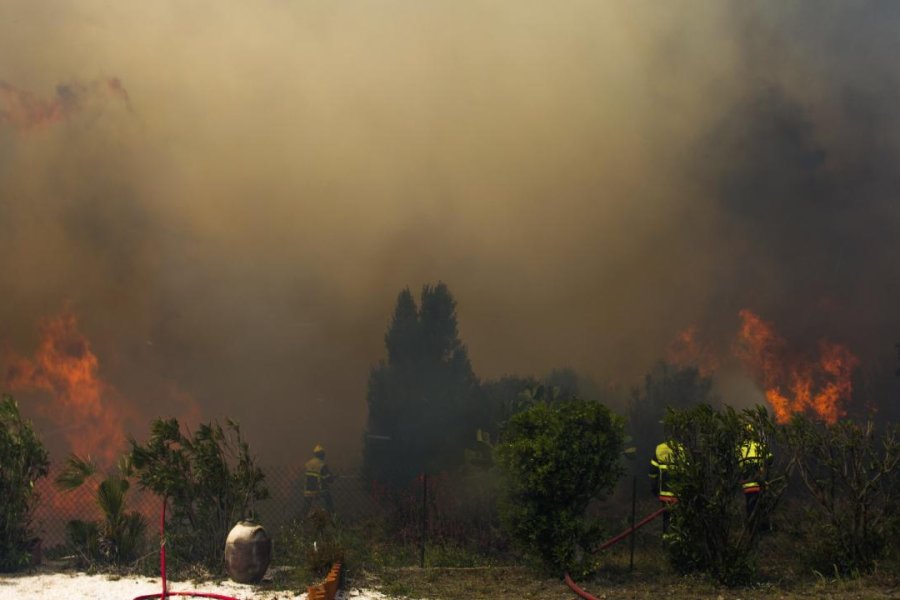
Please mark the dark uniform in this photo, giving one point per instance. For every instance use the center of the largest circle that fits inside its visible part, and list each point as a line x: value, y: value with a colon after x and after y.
x: 316, y: 484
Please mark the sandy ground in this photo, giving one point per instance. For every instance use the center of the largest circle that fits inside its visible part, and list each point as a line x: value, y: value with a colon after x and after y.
x: 52, y: 586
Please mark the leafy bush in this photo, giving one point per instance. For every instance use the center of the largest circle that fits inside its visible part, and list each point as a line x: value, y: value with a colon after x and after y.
x: 852, y: 472
x: 210, y: 479
x: 120, y: 536
x: 557, y: 458
x: 23, y: 461
x: 710, y: 531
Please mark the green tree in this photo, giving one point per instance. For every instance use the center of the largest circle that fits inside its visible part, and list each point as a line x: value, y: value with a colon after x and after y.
x: 572, y: 384
x: 666, y: 386
x: 23, y: 461
x: 118, y: 538
x: 423, y: 399
x: 210, y: 479
x: 501, y: 398
x: 557, y: 458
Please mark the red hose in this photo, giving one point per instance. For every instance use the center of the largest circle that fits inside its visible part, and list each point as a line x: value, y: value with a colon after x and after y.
x: 574, y: 587
x: 630, y: 530
x: 613, y: 540
x: 162, y: 567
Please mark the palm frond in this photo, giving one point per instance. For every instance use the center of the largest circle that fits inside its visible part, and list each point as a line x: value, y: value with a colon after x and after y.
x: 75, y: 472
x: 111, y: 497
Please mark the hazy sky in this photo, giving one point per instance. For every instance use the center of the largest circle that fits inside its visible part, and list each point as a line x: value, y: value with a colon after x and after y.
x: 229, y: 196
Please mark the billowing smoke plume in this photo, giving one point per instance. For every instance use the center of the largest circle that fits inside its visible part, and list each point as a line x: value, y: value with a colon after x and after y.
x: 589, y: 180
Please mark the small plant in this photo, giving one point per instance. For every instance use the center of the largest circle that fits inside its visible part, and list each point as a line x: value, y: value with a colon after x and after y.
x: 557, y: 458
x: 23, y: 461
x: 118, y: 538
x: 210, y: 479
x: 312, y: 545
x: 711, y: 531
x: 325, y: 548
x: 852, y: 473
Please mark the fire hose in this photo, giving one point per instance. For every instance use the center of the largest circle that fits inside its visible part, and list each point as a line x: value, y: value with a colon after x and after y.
x: 162, y: 568
x: 613, y: 540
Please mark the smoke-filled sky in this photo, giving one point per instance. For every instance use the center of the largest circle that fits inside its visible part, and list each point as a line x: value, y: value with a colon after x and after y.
x: 229, y: 196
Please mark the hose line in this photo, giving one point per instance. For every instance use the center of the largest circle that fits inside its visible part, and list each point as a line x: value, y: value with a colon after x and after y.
x: 162, y: 568
x: 613, y: 540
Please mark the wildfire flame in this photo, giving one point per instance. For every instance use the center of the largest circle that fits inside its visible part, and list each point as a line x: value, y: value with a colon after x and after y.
x: 688, y: 350
x: 796, y: 384
x: 87, y: 411
x: 791, y: 383
x: 23, y: 111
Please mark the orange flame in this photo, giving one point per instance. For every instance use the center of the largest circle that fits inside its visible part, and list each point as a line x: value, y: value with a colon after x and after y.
x: 88, y: 411
x: 22, y: 111
x: 688, y: 351
x: 796, y: 385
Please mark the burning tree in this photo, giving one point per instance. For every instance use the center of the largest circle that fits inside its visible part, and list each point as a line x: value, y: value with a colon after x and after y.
x: 792, y: 382
x: 64, y: 369
x: 794, y: 385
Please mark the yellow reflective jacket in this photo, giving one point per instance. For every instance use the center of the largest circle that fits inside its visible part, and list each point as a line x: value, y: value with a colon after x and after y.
x: 752, y: 464
x: 662, y: 461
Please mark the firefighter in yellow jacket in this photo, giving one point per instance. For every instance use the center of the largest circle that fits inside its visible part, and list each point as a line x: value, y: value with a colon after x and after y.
x: 754, y: 460
x: 317, y: 482
x: 661, y: 475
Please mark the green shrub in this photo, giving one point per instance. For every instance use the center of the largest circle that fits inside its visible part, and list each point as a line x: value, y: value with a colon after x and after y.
x: 120, y: 536
x: 84, y: 537
x: 210, y: 480
x: 852, y: 473
x: 311, y: 546
x: 557, y: 458
x: 710, y: 531
x: 23, y: 461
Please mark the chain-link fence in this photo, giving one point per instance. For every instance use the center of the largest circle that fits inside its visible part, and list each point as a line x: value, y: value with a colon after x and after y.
x: 437, y: 508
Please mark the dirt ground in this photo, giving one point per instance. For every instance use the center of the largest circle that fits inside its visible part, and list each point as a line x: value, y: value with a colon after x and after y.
x: 513, y: 583
x: 477, y: 583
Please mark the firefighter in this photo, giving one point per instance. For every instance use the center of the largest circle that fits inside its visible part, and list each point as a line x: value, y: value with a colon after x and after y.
x: 753, y: 465
x: 660, y: 477
x: 317, y: 482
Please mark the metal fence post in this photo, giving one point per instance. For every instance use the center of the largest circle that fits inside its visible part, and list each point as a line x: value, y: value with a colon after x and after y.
x: 424, y: 519
x: 633, y: 503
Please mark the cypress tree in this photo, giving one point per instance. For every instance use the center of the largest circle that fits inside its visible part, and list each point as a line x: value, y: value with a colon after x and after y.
x: 421, y: 398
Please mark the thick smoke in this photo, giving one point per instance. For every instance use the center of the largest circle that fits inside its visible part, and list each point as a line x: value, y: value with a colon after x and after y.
x: 589, y: 181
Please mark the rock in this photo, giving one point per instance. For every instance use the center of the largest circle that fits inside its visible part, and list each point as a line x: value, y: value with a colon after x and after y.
x: 248, y: 551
